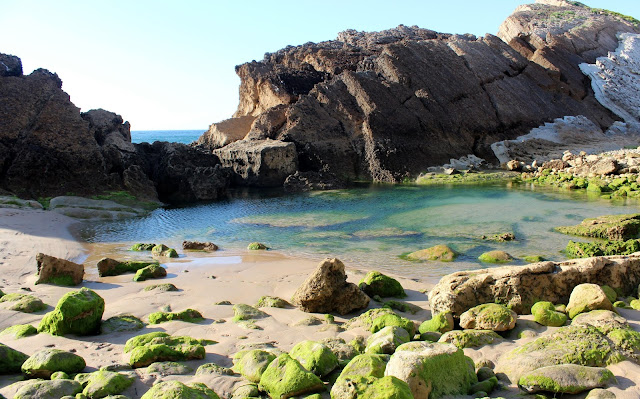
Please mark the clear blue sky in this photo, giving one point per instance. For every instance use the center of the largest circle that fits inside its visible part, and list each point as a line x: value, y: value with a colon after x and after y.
x: 170, y: 64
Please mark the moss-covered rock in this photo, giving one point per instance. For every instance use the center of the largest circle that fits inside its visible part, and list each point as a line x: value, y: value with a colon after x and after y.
x: 440, y: 253
x: 253, y: 363
x: 487, y: 386
x: 179, y: 390
x: 48, y: 389
x: 22, y: 303
x: 112, y: 267
x: 372, y: 388
x: 243, y: 312
x: 533, y: 259
x: 470, y: 338
x: 160, y: 346
x: 366, y: 365
x: 77, y: 312
x: 489, y: 316
x: 609, y: 227
x: 587, y: 297
x: 149, y: 272
x: 60, y: 375
x: 605, y: 248
x: 103, y: 383
x: 565, y: 378
x: 376, y: 283
x: 402, y: 306
x: 495, y: 257
x: 11, y: 360
x: 599, y: 393
x: 164, y: 251
x: 635, y: 304
x: 611, y: 294
x: 142, y: 247
x: 169, y: 368
x: 212, y: 368
x: 246, y: 390
x: 387, y: 340
x: 47, y: 361
x: 545, y: 313
x: 121, y: 323
x: 188, y: 315
x: 20, y: 331
x: 432, y: 370
x: 387, y: 320
x: 257, y: 246
x: 285, y: 377
x: 161, y: 287
x: 365, y: 320
x: 440, y: 322
x: 315, y: 357
x: 271, y: 302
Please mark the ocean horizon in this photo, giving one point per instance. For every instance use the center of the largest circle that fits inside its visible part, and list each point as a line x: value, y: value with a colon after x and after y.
x: 172, y: 136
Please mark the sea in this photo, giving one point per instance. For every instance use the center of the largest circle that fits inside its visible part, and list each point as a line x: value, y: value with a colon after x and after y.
x: 172, y: 136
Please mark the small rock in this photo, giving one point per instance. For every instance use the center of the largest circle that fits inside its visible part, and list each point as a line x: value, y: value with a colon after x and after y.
x: 149, y: 272
x: 315, y: 357
x: 440, y: 253
x: 586, y: 297
x: 376, y: 283
x: 490, y: 316
x: 199, y: 246
x: 257, y: 246
x: 285, y: 377
x: 440, y: 322
x: 495, y: 257
x: 177, y: 389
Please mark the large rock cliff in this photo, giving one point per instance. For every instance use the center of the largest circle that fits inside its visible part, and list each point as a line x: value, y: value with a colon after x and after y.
x: 385, y: 105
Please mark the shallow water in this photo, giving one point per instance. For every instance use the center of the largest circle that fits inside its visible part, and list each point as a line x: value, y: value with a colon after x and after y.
x: 371, y: 227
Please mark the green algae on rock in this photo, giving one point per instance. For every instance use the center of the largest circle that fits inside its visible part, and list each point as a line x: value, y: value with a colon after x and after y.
x: 387, y: 340
x: 495, y: 257
x: 271, y: 302
x: 112, y: 267
x: 605, y: 248
x: 371, y: 388
x: 470, y: 338
x: 48, y: 389
x: 489, y: 316
x: 365, y: 320
x: 376, y: 283
x: 11, y: 360
x: 188, y: 315
x: 20, y: 331
x: 103, y: 383
x: 77, y: 312
x: 159, y: 346
x: 23, y: 303
x: 212, y: 368
x: 402, y: 306
x: 487, y: 385
x: 169, y: 368
x: 611, y: 294
x: 285, y: 377
x: 253, y: 363
x: 587, y: 297
x: 244, y: 312
x: 440, y: 322
x: 179, y: 390
x: 441, y: 253
x: 533, y: 259
x: 121, y: 323
x: 142, y: 247
x: 545, y: 313
x: 47, y: 361
x: 161, y: 287
x: 565, y: 378
x: 609, y: 227
x: 393, y: 319
x: 164, y: 251
x: 257, y: 246
x: 315, y: 357
x: 151, y: 271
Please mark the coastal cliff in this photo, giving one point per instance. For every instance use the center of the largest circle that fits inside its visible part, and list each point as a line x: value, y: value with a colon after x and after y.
x: 387, y: 105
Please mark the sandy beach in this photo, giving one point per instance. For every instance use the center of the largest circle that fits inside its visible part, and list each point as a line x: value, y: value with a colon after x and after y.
x: 202, y: 279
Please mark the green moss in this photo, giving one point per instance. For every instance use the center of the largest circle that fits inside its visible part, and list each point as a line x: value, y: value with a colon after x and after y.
x: 611, y: 294
x: 142, y: 247
x: 143, y: 356
x: 376, y: 283
x: 163, y: 250
x: 545, y: 313
x: 365, y: 320
x: 212, y: 368
x: 257, y: 246
x: 65, y: 281
x: 77, y: 312
x: 635, y: 304
x: 149, y: 272
x: 47, y: 361
x: 20, y: 331
x: 49, y: 389
x: 23, y: 303
x: 487, y: 385
x: 188, y: 315
x: 103, y: 383
x: 161, y: 287
x: 495, y: 257
x: 402, y: 306
x: 470, y: 338
x: 606, y: 248
x: 178, y: 390
x: 490, y: 316
x: 388, y: 320
x: 362, y: 387
x: 466, y: 178
x: 45, y: 202
x: 243, y: 312
x: 622, y: 304
x: 387, y: 340
x: 285, y: 377
x: 60, y: 375
x: 144, y: 339
x: 11, y: 360
x: 533, y: 259
x: 440, y: 322
x: 608, y: 227
x: 253, y: 363
x: 315, y: 357
x: 440, y: 253
x: 169, y: 368
x: 271, y: 302
x: 131, y: 266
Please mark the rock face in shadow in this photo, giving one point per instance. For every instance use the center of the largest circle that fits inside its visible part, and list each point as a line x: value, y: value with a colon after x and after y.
x: 388, y: 104
x: 49, y: 148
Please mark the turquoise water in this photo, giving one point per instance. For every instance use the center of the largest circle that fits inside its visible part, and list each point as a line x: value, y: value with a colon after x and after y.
x: 371, y: 227
x: 172, y: 136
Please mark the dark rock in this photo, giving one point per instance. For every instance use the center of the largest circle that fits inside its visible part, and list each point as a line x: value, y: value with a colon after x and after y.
x: 10, y: 65
x: 199, y: 246
x: 308, y: 181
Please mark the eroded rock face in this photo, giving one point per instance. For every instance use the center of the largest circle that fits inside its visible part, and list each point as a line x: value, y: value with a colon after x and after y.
x: 520, y: 287
x: 54, y: 270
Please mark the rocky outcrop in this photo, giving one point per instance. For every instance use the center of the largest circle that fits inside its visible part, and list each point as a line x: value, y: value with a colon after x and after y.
x: 388, y: 104
x: 520, y: 287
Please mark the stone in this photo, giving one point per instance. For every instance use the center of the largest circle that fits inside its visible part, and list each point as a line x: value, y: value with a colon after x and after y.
x: 342, y: 350
x: 177, y: 389
x: 495, y: 257
x: 12, y: 65
x: 77, y: 312
x: 112, y: 267
x: 169, y: 368
x: 366, y: 365
x: 387, y: 340
x: 20, y: 331
x: 432, y: 370
x: 121, y: 324
x: 245, y: 390
x: 161, y: 287
x: 609, y: 227
x: 520, y: 287
x: 149, y: 272
x: 365, y: 320
x: 159, y: 346
x: 600, y: 394
x: 22, y: 303
x: 212, y: 368
x: 315, y: 357
x: 60, y: 375
x: 103, y: 383
x: 257, y: 246
x: 142, y: 247
x: 253, y: 363
x: 47, y: 361
x: 586, y: 297
x: 326, y: 290
x: 376, y: 283
x: 565, y: 378
x: 392, y: 319
x: 611, y: 294
x: 514, y: 165
x: 490, y: 316
x: 368, y: 387
x: 164, y: 251
x: 271, y: 302
x: 48, y: 389
x: 52, y: 270
x: 440, y: 322
x: 199, y: 246
x: 470, y: 338
x: 11, y: 360
x: 601, y: 248
x: 486, y: 386
x: 188, y: 315
x: 243, y: 312
x: 401, y: 306
x: 545, y: 313
x: 99, y: 209
x: 440, y: 253
x: 285, y: 377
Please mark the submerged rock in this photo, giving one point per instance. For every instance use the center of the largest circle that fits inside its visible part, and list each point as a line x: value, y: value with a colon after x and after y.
x: 52, y: 270
x: 440, y: 253
x: 609, y: 227
x: 376, y: 283
x: 495, y: 257
x: 142, y: 247
x: 77, y: 312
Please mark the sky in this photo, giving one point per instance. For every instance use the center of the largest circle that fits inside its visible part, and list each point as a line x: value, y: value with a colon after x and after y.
x: 170, y: 65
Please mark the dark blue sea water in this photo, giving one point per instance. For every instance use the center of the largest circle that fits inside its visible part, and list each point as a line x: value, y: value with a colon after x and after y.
x: 173, y: 136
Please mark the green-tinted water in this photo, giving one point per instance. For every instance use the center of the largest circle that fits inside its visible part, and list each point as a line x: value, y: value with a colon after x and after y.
x: 370, y: 227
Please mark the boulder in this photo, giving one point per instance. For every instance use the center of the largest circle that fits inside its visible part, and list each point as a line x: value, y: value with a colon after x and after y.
x: 159, y: 346
x: 490, y: 316
x: 565, y: 378
x: 11, y: 360
x: 103, y: 383
x: 432, y: 370
x: 587, y: 297
x: 20, y: 331
x: 253, y: 363
x: 344, y: 351
x: 161, y: 287
x: 545, y: 313
x: 262, y: 163
x: 243, y: 312
x: 609, y: 227
x: 150, y: 272
x: 366, y: 365
x: 315, y: 357
x: 142, y: 247
x: 600, y: 394
x: 47, y: 361
x: 22, y: 303
x: 440, y: 322
x: 387, y: 340
x: 48, y: 389
x: 199, y: 246
x: 470, y: 338
x: 520, y: 287
x: 257, y: 246
x: 177, y: 389
x: 326, y: 290
x: 376, y: 283
x: 212, y: 368
x: 371, y: 387
x: 52, y: 270
x: 440, y: 253
x: 77, y: 312
x: 112, y: 267
x: 285, y: 377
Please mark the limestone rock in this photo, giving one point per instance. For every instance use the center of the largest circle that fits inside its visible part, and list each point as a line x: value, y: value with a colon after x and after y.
x: 226, y: 132
x: 54, y: 270
x: 326, y: 290
x: 519, y: 287
x: 587, y: 297
x: 77, y: 312
x: 565, y: 378
x: 47, y: 361
x: 490, y: 316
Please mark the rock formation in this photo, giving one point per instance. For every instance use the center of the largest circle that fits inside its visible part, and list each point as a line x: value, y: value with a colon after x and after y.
x: 388, y: 104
